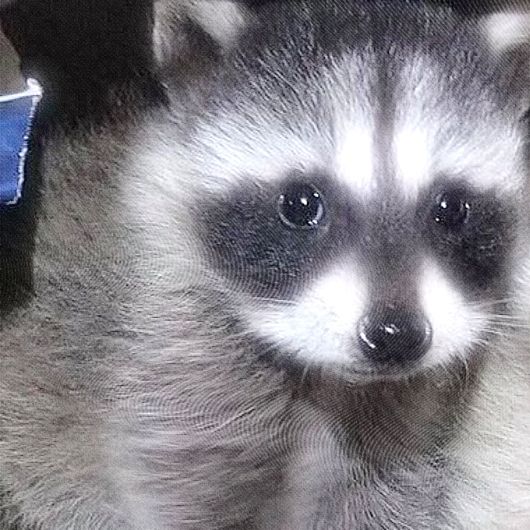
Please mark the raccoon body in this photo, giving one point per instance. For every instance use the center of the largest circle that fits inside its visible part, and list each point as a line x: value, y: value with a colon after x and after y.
x: 295, y: 297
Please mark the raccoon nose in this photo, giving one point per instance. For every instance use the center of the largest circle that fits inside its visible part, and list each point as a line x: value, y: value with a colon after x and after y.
x: 394, y: 336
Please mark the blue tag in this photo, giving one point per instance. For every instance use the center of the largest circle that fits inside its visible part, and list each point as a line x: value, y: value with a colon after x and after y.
x: 16, y: 119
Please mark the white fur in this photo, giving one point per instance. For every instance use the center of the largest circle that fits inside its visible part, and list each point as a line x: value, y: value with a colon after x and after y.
x: 158, y: 204
x: 486, y: 149
x: 223, y: 22
x: 355, y: 160
x: 489, y: 158
x: 507, y: 30
x: 319, y: 328
x: 354, y: 134
x: 486, y: 153
x: 413, y: 153
x: 491, y: 449
x: 262, y: 151
x: 456, y: 326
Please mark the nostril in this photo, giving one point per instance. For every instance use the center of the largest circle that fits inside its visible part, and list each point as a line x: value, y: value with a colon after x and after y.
x: 396, y: 336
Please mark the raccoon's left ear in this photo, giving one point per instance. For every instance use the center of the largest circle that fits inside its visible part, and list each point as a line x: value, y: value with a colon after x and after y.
x: 187, y: 30
x: 508, y: 34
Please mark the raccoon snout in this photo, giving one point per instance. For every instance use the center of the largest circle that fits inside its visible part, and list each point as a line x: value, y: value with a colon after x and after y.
x: 391, y: 335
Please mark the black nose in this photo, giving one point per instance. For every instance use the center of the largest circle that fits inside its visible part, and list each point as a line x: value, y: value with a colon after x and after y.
x: 392, y: 335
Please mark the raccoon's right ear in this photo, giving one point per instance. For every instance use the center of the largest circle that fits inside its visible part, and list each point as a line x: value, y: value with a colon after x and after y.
x: 186, y: 29
x: 508, y: 34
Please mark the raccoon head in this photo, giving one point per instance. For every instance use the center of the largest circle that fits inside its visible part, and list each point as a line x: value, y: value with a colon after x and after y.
x: 355, y: 181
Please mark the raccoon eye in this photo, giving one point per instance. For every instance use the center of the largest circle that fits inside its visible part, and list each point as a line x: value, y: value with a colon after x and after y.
x: 301, y: 206
x: 451, y: 210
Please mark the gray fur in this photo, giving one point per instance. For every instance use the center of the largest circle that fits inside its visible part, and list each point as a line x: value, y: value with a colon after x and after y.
x: 11, y: 80
x: 132, y: 395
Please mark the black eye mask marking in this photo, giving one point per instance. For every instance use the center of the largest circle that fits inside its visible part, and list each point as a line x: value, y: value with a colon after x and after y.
x: 471, y: 232
x: 270, y: 239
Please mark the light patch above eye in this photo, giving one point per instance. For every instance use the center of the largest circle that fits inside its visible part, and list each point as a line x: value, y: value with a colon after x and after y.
x: 234, y: 150
x: 355, y: 160
x: 491, y: 158
x: 507, y: 30
x: 437, y: 133
x: 412, y: 152
x: 487, y: 158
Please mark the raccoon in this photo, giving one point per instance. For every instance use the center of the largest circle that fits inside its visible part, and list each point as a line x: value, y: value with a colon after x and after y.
x: 295, y: 294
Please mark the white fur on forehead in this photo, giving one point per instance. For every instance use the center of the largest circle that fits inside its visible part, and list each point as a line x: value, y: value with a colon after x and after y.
x: 508, y: 35
x: 429, y: 139
x: 436, y: 133
x: 431, y: 134
x: 222, y: 20
x: 508, y: 30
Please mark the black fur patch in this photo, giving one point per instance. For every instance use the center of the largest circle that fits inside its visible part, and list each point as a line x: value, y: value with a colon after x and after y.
x: 478, y: 253
x: 247, y: 241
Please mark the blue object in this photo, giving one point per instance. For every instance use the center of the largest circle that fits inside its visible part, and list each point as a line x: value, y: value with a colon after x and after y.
x: 16, y: 119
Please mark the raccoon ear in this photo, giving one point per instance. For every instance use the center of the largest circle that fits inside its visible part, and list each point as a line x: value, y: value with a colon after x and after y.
x: 184, y: 29
x: 11, y: 79
x: 508, y: 34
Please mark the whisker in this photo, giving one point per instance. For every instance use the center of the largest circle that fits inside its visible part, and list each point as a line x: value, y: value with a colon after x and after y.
x: 497, y: 333
x: 511, y: 324
x: 491, y: 303
x: 279, y: 301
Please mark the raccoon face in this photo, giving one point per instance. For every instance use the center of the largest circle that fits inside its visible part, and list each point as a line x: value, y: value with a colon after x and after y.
x: 362, y: 201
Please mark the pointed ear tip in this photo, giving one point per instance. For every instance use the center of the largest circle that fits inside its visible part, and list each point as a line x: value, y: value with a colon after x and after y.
x: 222, y: 23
